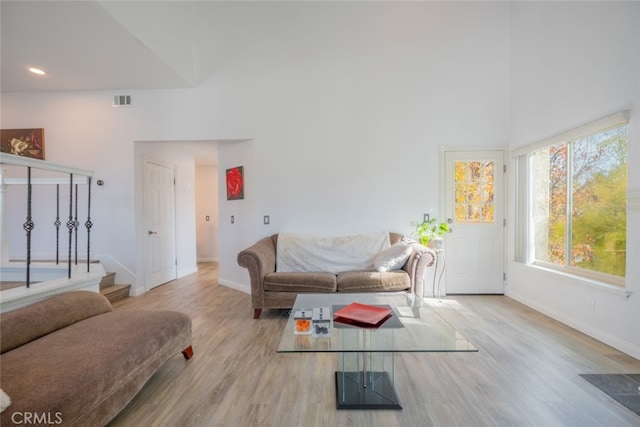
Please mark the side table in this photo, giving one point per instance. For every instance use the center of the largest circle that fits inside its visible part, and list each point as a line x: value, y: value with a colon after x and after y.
x: 440, y: 266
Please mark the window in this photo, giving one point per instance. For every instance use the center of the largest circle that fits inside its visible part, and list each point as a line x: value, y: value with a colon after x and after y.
x: 572, y: 206
x: 474, y: 191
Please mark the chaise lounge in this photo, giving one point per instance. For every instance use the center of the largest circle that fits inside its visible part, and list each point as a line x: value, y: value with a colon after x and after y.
x: 71, y: 360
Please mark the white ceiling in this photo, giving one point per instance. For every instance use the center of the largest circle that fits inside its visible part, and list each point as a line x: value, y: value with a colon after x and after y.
x: 91, y: 45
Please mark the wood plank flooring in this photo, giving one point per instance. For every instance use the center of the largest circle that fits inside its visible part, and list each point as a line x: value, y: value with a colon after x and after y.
x: 525, y: 374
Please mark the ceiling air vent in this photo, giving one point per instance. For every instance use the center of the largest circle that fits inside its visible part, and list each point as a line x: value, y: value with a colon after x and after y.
x: 121, y: 100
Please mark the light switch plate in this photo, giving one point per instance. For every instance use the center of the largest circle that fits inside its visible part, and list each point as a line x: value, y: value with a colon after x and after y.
x: 266, y: 220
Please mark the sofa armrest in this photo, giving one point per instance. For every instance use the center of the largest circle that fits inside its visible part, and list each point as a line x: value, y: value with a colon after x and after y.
x: 420, y: 259
x: 37, y: 320
x: 259, y: 259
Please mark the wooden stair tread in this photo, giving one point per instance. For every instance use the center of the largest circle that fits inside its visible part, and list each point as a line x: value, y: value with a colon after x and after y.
x: 113, y: 288
x: 115, y: 292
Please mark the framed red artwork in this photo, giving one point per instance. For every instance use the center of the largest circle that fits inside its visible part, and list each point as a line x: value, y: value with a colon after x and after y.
x: 235, y: 183
x: 23, y: 142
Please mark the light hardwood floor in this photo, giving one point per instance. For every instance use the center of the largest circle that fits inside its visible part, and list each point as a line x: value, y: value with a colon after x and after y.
x: 526, y: 372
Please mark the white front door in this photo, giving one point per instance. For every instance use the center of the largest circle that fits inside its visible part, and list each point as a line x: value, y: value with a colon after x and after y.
x: 159, y: 213
x: 474, y: 209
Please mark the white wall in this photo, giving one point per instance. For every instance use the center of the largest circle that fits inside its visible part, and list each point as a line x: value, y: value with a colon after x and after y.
x: 346, y: 105
x: 572, y: 63
x: 241, y: 233
x: 207, y: 206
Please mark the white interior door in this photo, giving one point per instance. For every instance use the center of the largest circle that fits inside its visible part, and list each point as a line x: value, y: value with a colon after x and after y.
x: 474, y: 206
x: 159, y: 213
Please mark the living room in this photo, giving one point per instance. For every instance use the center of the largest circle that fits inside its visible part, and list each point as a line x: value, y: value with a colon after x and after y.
x: 338, y: 112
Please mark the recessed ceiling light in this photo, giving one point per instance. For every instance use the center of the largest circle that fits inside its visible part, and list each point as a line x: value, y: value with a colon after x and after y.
x: 37, y: 71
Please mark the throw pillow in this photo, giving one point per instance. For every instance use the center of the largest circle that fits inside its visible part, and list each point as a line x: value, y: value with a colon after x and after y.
x: 392, y: 258
x: 4, y: 401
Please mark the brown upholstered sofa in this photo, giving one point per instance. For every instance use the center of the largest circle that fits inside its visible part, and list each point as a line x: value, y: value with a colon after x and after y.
x: 273, y: 289
x: 71, y: 360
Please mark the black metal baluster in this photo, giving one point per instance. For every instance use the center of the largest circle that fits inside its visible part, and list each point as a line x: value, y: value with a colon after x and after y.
x: 88, y: 223
x: 28, y: 226
x: 75, y: 228
x: 70, y: 223
x: 57, y: 224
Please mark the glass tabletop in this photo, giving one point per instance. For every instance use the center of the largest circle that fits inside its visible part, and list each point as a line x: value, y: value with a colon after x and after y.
x: 413, y: 326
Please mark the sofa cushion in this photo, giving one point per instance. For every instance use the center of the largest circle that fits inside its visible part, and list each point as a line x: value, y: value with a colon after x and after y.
x: 300, y: 282
x: 29, y: 323
x: 392, y: 258
x: 373, y: 281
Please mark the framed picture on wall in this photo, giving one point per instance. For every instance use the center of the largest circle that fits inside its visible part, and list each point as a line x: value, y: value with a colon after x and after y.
x: 23, y: 142
x: 235, y: 183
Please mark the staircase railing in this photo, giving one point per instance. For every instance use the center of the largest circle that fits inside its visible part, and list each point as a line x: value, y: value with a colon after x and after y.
x: 73, y: 177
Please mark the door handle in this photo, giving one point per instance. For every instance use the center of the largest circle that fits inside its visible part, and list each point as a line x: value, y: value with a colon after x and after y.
x: 152, y: 232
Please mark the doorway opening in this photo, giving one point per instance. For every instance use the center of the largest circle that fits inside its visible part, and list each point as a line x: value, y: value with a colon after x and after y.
x: 194, y: 201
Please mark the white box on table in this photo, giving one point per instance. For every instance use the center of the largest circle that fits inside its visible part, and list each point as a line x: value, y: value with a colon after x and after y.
x: 321, y: 322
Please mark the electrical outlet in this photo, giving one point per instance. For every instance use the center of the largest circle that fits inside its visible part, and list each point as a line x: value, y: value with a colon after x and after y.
x: 232, y: 219
x: 425, y: 217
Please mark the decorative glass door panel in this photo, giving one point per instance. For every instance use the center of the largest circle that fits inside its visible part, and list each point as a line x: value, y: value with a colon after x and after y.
x: 474, y: 195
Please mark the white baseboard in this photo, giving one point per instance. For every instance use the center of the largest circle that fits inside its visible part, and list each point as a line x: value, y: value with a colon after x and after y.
x: 207, y: 259
x: 605, y: 337
x: 234, y: 285
x: 134, y: 291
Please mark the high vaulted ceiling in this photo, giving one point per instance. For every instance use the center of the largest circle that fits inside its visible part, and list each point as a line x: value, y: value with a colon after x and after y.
x: 96, y: 45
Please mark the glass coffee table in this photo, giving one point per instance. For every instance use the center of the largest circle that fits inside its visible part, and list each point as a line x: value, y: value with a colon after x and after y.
x: 366, y: 376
